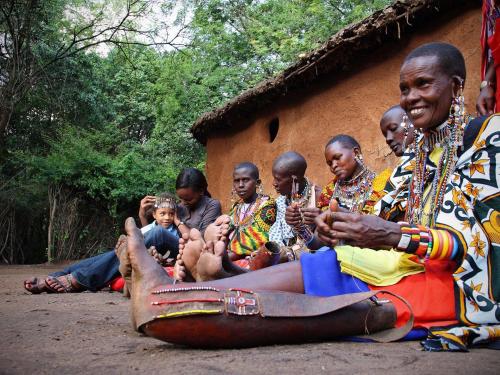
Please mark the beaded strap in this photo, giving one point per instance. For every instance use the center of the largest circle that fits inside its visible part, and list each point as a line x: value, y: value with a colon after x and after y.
x: 303, y: 232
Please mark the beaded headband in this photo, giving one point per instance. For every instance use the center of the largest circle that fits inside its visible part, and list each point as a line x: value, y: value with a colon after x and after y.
x: 165, y: 202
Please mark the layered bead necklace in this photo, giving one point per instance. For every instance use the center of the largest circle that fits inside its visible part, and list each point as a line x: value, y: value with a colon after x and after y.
x: 353, y: 193
x: 449, y: 136
x: 242, y: 216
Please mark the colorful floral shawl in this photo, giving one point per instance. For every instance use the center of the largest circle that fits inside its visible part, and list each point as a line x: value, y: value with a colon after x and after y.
x: 471, y: 212
x: 252, y: 233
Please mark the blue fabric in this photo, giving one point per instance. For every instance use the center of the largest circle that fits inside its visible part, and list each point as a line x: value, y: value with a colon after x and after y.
x: 93, y: 273
x: 97, y: 272
x: 322, y: 277
x: 164, y: 239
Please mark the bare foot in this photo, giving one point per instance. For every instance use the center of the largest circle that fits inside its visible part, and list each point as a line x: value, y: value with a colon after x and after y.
x: 215, y: 230
x: 212, y: 258
x: 180, y: 271
x: 189, y: 252
x: 119, y: 245
x: 147, y: 275
x: 125, y: 268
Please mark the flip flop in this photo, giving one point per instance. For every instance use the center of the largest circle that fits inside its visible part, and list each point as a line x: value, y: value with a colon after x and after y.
x: 65, y: 282
x: 36, y: 287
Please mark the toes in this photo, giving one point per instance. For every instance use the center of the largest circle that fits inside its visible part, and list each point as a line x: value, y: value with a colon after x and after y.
x: 219, y: 248
x: 131, y: 228
x: 195, y: 234
x: 209, y: 247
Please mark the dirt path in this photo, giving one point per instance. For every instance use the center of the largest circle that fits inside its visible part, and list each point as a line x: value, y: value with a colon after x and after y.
x: 90, y: 333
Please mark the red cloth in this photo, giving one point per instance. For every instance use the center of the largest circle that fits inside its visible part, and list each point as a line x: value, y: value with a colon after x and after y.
x: 492, y: 44
x: 117, y: 283
x: 430, y: 294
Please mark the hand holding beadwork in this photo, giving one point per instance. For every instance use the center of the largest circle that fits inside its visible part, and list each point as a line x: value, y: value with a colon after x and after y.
x: 310, y: 214
x: 358, y: 230
x: 293, y: 216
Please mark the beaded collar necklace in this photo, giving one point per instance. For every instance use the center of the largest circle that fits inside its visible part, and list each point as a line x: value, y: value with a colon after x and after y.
x: 353, y: 193
x: 449, y: 136
x: 241, y: 219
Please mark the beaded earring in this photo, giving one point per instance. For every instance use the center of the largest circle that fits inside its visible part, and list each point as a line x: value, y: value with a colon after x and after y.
x: 234, y: 197
x: 359, y: 160
x: 260, y: 189
x: 404, y: 125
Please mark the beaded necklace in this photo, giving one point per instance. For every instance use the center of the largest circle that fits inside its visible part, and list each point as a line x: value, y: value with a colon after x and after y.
x: 300, y: 197
x: 242, y: 219
x: 449, y: 136
x: 353, y: 193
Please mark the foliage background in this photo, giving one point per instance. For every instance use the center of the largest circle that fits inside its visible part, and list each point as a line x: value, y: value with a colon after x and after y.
x: 94, y: 131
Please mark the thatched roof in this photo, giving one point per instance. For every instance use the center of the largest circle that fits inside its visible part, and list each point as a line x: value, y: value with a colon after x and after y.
x: 335, y: 56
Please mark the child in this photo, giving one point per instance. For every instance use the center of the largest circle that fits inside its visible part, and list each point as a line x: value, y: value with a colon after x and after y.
x: 162, y: 233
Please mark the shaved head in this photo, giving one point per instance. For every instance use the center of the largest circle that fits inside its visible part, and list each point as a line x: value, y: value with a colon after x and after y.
x: 292, y: 163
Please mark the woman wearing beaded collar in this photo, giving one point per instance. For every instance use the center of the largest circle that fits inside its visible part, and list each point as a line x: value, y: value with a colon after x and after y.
x: 452, y: 224
x: 251, y: 215
x: 352, y: 182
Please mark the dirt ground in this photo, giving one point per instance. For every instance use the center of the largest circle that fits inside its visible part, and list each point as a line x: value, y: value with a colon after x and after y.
x: 90, y: 333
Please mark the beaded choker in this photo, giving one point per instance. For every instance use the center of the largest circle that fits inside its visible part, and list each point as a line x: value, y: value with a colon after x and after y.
x: 353, y: 193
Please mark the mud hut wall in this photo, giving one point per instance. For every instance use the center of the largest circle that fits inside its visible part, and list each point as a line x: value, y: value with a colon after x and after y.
x: 352, y: 105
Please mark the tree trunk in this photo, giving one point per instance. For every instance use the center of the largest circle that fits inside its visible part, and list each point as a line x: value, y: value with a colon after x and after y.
x: 53, y: 195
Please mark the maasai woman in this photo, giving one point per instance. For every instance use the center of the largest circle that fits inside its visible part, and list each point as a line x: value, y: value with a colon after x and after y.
x: 451, y: 206
x: 398, y: 131
x: 352, y: 180
x: 251, y: 215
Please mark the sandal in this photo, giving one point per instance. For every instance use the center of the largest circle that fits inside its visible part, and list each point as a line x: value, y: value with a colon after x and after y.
x: 61, y: 284
x: 36, y: 285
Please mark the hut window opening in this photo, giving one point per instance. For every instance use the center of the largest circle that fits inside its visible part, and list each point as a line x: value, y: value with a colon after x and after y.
x: 274, y: 126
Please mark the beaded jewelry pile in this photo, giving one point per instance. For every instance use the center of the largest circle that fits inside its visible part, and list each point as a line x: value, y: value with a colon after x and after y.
x: 352, y: 194
x: 450, y: 138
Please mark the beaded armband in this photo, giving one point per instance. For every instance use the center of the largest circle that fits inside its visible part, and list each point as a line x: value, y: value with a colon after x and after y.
x: 427, y: 243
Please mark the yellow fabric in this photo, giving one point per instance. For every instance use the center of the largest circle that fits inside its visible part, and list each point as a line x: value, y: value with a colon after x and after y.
x: 377, y: 267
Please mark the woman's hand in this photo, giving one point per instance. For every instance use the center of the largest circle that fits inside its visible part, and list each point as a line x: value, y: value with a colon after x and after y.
x: 310, y: 214
x: 485, y: 104
x: 146, y: 203
x: 293, y: 216
x: 358, y: 230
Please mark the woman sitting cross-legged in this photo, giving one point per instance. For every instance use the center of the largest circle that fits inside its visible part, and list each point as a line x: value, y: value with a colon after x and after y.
x: 445, y: 214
